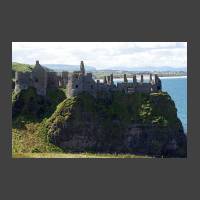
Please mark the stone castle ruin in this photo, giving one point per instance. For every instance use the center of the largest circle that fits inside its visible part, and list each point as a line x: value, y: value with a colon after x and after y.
x: 42, y: 78
x: 80, y: 81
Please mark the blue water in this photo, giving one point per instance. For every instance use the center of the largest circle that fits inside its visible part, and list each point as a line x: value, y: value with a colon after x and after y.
x: 177, y: 89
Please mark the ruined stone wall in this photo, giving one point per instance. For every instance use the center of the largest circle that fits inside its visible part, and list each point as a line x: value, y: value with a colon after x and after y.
x: 89, y: 85
x: 52, y: 80
x: 75, y: 84
x: 144, y: 87
x: 81, y: 83
x: 22, y: 81
x: 141, y: 86
x: 39, y: 78
x: 64, y: 77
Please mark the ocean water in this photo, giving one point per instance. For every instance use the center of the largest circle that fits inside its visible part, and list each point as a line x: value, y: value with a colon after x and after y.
x: 177, y: 89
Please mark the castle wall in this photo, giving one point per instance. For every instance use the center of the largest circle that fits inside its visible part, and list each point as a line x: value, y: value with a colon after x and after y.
x: 22, y: 81
x: 75, y: 84
x: 79, y: 81
x: 64, y: 76
x: 39, y: 78
x: 52, y: 80
x: 144, y: 88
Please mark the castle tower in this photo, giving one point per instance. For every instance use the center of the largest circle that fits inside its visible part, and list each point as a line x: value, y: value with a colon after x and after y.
x: 82, y: 68
x: 142, y: 78
x: 111, y: 79
x: 37, y: 63
x: 125, y: 79
x: 134, y: 79
x: 150, y: 78
x: 39, y: 79
x: 108, y: 80
x: 158, y: 83
x: 104, y: 79
x: 156, y: 78
x: 64, y: 75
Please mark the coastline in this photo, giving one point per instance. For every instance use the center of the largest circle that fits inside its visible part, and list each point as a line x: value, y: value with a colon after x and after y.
x: 172, y: 77
x: 145, y: 78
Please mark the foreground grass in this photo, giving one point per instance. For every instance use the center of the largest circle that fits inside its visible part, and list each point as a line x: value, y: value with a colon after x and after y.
x: 74, y: 155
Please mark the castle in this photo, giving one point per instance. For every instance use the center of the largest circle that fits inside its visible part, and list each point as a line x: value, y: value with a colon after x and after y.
x: 42, y: 78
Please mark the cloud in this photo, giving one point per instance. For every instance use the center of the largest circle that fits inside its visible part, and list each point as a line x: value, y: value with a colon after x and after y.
x: 103, y: 54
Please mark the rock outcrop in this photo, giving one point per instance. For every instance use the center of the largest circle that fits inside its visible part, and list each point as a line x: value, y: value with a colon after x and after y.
x: 35, y: 107
x: 123, y: 123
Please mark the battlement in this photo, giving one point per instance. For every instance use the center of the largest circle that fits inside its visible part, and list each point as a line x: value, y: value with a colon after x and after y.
x: 42, y: 78
x: 81, y: 82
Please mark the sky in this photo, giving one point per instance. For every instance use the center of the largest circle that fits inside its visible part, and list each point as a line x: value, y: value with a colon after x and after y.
x: 103, y: 55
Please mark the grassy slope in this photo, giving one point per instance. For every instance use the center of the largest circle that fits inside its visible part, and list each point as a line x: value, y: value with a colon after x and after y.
x: 25, y: 135
x: 74, y: 155
x: 30, y: 135
x: 27, y: 139
x: 19, y: 67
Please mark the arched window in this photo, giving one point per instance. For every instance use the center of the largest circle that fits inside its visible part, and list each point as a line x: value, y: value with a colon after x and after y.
x: 92, y: 87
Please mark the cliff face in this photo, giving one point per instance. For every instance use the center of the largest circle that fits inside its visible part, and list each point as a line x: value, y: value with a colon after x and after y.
x: 32, y: 106
x: 133, y: 123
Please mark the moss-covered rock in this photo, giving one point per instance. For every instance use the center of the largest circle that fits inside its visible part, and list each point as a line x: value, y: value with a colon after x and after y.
x: 29, y: 105
x: 136, y: 123
x: 117, y: 122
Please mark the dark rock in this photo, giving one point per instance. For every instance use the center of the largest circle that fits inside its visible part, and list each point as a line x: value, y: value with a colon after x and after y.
x: 85, y: 123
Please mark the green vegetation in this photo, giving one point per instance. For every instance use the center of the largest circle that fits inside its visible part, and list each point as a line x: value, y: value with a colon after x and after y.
x: 35, y: 107
x: 151, y: 113
x: 30, y: 113
x: 18, y: 67
x: 37, y: 119
x: 113, y: 115
x: 27, y: 138
x: 75, y: 155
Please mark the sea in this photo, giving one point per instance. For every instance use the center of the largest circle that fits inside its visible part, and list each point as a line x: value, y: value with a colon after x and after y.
x: 177, y: 88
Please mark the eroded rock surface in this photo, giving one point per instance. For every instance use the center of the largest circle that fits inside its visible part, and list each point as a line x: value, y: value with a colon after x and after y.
x: 134, y: 123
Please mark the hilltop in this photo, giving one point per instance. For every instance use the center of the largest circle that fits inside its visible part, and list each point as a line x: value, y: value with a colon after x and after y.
x: 144, y: 124
x: 55, y: 112
x: 19, y: 67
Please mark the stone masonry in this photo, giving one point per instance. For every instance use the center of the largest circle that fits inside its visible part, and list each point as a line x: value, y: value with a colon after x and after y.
x: 80, y: 81
x: 42, y: 78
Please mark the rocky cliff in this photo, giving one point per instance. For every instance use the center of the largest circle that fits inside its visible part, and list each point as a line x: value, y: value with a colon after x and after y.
x: 125, y: 123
